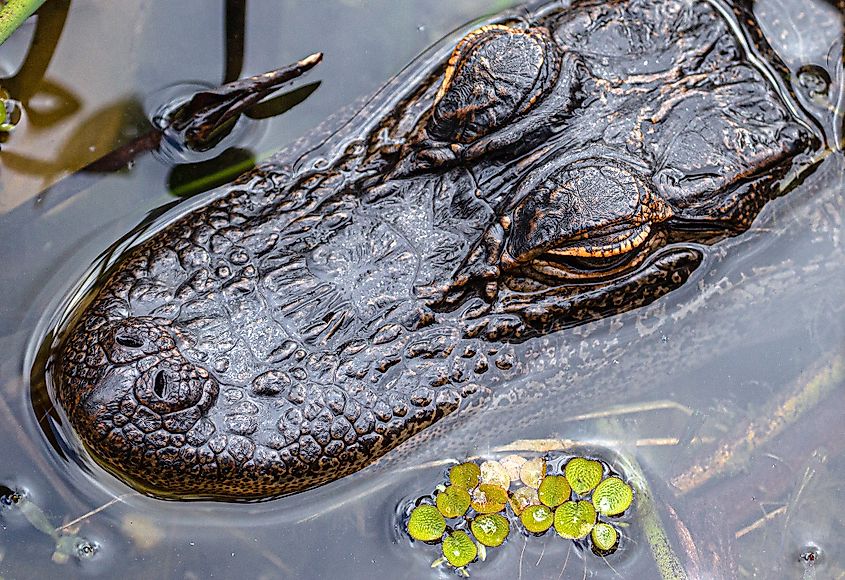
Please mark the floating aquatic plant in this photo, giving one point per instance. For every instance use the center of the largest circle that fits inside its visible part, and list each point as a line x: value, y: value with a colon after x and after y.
x: 465, y: 475
x: 488, y: 498
x: 575, y: 519
x: 554, y: 490
x: 532, y: 472
x: 494, y: 473
x: 459, y: 549
x: 583, y: 474
x: 9, y: 113
x: 512, y: 464
x: 522, y: 498
x: 453, y: 502
x: 426, y: 523
x: 537, y: 518
x: 13, y: 13
x: 612, y: 496
x: 490, y: 529
x: 605, y: 537
x: 477, y: 508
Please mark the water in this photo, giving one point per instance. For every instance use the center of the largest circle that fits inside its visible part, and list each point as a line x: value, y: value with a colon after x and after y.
x: 764, y: 312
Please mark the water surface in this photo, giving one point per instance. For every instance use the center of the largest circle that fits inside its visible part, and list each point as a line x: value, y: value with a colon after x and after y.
x: 759, y: 319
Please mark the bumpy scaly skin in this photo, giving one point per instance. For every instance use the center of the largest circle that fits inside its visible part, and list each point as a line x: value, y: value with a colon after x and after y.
x: 305, y: 323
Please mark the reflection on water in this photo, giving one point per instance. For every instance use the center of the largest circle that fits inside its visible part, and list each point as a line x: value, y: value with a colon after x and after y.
x: 759, y: 325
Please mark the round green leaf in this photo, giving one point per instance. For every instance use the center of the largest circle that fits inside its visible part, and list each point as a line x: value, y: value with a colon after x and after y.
x: 453, y: 502
x: 583, y: 474
x: 612, y: 496
x: 426, y: 523
x: 605, y: 537
x: 465, y: 475
x: 487, y: 499
x: 574, y: 520
x: 537, y: 518
x: 459, y: 549
x: 490, y: 529
x: 554, y: 490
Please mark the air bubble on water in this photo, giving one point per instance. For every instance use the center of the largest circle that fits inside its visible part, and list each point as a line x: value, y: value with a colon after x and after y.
x: 815, y: 81
x: 810, y: 558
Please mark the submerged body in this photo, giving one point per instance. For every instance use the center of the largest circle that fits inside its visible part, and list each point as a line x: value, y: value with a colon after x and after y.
x: 555, y: 169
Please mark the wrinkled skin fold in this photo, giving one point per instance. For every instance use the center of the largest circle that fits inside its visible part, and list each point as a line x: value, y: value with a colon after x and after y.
x: 555, y: 169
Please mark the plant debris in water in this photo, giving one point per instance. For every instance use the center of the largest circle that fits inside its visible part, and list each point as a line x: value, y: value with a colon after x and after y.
x: 478, y: 506
x: 67, y: 544
x: 9, y: 113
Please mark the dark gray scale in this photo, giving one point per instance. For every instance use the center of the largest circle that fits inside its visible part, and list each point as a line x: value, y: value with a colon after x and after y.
x: 494, y: 74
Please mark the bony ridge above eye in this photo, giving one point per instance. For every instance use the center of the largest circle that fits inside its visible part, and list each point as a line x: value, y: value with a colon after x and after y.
x: 494, y: 74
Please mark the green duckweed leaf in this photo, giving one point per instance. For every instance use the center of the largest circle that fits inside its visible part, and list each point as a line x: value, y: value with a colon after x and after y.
x: 605, y: 537
x: 554, y: 490
x: 459, y: 549
x: 612, y: 496
x: 487, y: 499
x: 574, y: 520
x: 583, y: 474
x: 426, y: 523
x: 537, y: 518
x: 490, y: 529
x: 465, y: 475
x: 453, y: 502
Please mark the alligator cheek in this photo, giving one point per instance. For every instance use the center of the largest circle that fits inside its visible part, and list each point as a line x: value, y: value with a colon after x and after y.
x: 106, y: 394
x: 100, y: 408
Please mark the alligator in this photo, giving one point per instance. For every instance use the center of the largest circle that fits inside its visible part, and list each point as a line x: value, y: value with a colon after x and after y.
x: 560, y: 164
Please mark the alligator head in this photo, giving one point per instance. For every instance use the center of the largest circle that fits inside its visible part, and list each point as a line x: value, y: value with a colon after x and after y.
x: 556, y: 168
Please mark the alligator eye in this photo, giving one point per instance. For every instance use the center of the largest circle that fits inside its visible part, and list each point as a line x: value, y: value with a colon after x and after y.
x: 588, y: 216
x: 494, y: 74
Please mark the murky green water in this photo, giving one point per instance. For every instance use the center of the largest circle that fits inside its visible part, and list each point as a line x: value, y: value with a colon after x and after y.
x: 762, y: 317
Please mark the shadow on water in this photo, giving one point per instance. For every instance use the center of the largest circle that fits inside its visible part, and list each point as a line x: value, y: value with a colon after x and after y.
x: 30, y: 80
x: 765, y: 311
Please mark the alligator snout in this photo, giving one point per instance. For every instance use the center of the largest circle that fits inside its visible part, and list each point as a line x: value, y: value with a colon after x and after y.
x: 318, y: 313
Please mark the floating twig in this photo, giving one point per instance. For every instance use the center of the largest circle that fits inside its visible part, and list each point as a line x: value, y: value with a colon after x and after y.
x: 68, y: 526
x: 761, y: 522
x: 630, y: 409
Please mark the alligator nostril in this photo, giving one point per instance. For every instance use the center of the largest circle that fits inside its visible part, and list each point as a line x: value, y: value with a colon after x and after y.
x: 128, y: 341
x: 159, y: 383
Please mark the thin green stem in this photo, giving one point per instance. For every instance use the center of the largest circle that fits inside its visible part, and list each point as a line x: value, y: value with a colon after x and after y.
x: 13, y: 13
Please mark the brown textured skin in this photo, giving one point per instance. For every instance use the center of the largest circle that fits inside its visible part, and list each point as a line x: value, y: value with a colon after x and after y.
x: 307, y: 321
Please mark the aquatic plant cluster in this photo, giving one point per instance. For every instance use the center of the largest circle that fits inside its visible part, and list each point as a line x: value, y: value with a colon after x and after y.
x: 479, y: 505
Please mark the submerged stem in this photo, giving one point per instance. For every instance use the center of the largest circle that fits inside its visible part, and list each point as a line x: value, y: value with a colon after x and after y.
x: 667, y: 561
x: 734, y: 451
